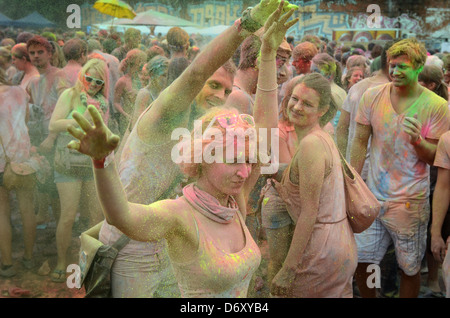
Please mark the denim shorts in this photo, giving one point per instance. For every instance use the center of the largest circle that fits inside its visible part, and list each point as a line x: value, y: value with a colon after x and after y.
x: 63, y: 178
x: 274, y: 214
x: 403, y: 223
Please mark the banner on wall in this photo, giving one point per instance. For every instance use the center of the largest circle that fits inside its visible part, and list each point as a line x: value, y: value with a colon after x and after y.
x: 365, y: 35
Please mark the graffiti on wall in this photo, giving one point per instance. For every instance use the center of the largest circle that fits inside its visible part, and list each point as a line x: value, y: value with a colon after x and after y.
x: 313, y: 20
x: 406, y: 23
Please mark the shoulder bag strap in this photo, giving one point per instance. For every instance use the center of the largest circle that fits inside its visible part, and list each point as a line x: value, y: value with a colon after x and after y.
x: 121, y: 242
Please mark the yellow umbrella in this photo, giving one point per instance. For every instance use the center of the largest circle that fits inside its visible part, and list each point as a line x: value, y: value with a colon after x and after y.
x: 115, y: 8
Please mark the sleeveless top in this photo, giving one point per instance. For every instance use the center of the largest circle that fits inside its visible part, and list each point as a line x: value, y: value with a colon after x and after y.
x: 213, y: 273
x: 327, y: 265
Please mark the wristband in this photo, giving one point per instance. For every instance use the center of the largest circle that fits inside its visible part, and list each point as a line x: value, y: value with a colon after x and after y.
x: 103, y: 163
x: 267, y: 90
x: 418, y: 141
x: 238, y: 26
x: 247, y: 23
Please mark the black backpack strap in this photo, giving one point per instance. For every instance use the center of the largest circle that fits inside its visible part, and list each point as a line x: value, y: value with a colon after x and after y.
x: 121, y: 242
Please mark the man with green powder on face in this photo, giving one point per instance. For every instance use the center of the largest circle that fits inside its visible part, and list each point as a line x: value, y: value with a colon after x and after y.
x: 405, y: 121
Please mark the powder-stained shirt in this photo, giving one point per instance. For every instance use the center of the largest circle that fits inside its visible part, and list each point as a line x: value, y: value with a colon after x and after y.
x: 13, y: 130
x: 395, y: 171
x: 45, y: 90
x: 351, y: 104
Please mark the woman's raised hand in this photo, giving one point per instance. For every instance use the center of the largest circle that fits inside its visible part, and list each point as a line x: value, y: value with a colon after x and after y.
x: 276, y: 27
x: 265, y: 8
x: 96, y: 141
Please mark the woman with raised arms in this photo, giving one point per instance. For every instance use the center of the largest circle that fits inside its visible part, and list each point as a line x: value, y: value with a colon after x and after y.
x: 204, y: 226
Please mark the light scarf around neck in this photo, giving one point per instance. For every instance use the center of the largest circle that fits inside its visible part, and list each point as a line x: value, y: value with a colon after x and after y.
x: 209, y: 206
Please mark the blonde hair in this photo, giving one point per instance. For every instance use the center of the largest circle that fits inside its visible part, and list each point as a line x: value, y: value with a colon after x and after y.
x: 414, y: 49
x: 193, y: 169
x: 101, y: 68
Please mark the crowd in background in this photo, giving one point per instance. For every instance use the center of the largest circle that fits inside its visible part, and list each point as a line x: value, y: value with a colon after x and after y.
x: 45, y: 77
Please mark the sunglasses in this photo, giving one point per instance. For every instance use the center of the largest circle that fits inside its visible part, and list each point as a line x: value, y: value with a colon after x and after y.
x: 231, y: 120
x: 91, y: 79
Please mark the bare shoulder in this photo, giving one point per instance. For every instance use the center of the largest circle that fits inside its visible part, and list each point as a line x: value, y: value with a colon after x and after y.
x: 310, y: 141
x: 239, y: 100
x: 311, y: 147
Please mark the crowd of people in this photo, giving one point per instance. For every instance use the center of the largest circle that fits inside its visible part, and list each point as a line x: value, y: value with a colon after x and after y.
x: 94, y: 118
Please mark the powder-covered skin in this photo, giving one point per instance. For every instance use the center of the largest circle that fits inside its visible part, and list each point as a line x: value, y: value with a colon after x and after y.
x: 328, y: 262
x: 395, y: 172
x: 215, y: 273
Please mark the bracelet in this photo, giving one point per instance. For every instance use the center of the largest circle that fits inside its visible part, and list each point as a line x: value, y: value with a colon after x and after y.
x: 418, y: 141
x: 247, y: 23
x: 267, y: 90
x: 99, y: 164
x: 238, y: 26
x: 103, y: 163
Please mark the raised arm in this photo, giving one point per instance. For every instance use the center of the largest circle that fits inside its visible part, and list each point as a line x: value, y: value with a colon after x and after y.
x: 172, y: 108
x: 265, y: 111
x: 139, y: 222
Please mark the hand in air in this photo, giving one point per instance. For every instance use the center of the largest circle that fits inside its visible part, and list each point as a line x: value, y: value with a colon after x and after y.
x: 96, y: 141
x: 265, y: 8
x: 276, y: 27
